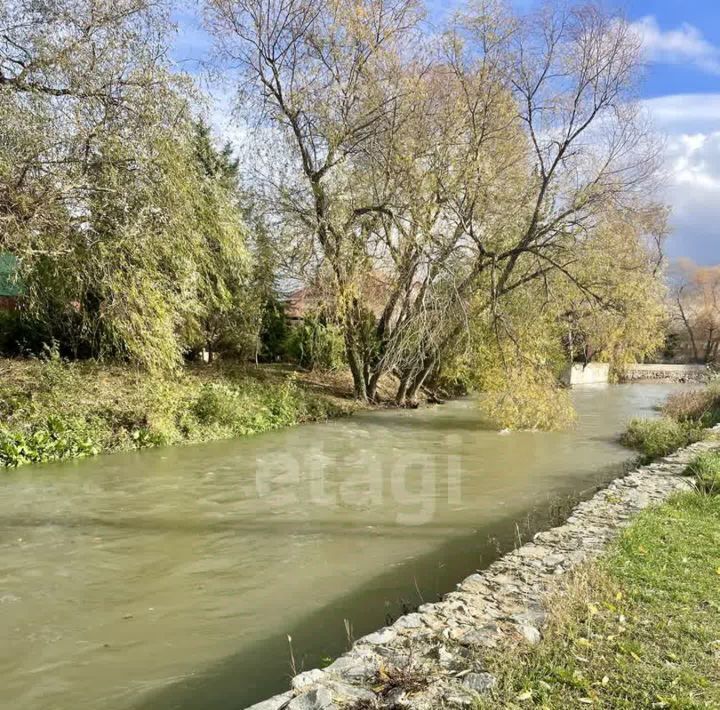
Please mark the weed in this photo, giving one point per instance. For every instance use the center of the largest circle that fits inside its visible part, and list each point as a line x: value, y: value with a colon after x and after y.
x: 53, y: 410
x: 706, y: 470
x: 655, y: 438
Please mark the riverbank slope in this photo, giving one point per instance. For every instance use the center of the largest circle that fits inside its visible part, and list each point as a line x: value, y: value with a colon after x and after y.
x: 53, y: 410
x: 637, y: 629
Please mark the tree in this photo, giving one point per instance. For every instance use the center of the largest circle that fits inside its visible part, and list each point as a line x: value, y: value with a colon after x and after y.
x: 328, y: 76
x: 122, y: 215
x: 695, y: 304
x: 462, y: 172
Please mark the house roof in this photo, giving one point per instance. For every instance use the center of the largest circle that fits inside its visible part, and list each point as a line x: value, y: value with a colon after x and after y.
x: 306, y: 299
x: 10, y: 284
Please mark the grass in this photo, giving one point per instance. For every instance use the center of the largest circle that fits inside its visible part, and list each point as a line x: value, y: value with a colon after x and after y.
x: 53, y: 410
x: 684, y: 418
x: 655, y: 438
x: 706, y: 470
x: 698, y: 405
x: 638, y: 629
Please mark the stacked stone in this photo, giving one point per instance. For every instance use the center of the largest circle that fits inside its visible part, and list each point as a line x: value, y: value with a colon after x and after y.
x: 443, y: 643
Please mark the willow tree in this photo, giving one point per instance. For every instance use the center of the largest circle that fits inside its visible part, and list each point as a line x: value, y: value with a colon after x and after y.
x: 104, y: 200
x: 329, y: 77
x: 532, y: 144
x: 572, y: 73
x: 459, y: 172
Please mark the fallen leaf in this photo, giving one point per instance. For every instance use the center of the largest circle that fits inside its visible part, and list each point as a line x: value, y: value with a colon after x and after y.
x: 525, y: 696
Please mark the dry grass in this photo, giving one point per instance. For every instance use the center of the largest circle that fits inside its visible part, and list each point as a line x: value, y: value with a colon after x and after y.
x: 700, y: 405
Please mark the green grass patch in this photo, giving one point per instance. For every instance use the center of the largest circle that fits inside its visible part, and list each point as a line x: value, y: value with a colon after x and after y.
x: 53, y: 410
x: 638, y: 629
x: 706, y: 470
x: 655, y: 438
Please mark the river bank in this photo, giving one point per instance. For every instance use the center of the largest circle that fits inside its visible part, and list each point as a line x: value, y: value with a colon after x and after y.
x: 441, y: 656
x: 53, y: 410
x: 638, y: 629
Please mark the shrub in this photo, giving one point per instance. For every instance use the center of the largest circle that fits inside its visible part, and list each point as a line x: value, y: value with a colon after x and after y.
x: 316, y: 344
x: 217, y: 403
x: 706, y: 470
x: 655, y: 438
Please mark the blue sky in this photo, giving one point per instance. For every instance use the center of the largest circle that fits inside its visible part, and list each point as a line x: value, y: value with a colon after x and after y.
x: 681, y: 92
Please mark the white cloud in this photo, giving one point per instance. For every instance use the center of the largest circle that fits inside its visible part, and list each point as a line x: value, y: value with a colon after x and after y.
x: 692, y: 159
x: 682, y: 45
x: 685, y: 113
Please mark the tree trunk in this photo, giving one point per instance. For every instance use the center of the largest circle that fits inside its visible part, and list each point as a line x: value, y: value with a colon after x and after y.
x: 708, y: 346
x: 356, y: 368
x: 419, y: 380
x: 688, y: 327
x: 373, y: 384
x: 402, y: 391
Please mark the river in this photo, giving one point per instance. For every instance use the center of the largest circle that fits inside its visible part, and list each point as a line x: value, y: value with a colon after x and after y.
x: 171, y: 578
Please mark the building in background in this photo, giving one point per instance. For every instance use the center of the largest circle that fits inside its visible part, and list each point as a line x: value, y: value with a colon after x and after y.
x: 10, y: 285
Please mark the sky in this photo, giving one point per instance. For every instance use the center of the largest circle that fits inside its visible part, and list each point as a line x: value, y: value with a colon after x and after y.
x: 680, y: 90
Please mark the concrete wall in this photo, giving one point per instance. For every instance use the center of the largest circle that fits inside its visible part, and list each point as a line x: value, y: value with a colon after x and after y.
x: 666, y: 373
x: 593, y: 373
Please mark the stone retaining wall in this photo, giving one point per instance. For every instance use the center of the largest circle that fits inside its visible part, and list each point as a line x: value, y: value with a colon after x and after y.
x: 445, y: 641
x: 666, y: 373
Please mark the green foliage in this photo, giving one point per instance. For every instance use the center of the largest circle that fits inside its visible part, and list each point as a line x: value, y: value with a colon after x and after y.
x: 54, y: 438
x: 53, y: 410
x: 316, y: 344
x: 685, y: 416
x: 274, y: 331
x: 706, y: 470
x: 655, y: 438
x: 125, y: 224
x: 514, y: 361
x: 636, y: 630
x: 528, y: 399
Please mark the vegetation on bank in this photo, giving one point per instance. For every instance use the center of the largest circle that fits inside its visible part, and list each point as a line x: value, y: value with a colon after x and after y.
x: 705, y: 469
x: 684, y: 418
x: 53, y: 410
x: 639, y: 629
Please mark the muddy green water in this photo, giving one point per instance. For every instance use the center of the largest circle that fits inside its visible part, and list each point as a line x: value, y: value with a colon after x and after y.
x: 171, y: 578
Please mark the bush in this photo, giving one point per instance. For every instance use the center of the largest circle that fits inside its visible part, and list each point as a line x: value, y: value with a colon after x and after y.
x: 217, y: 404
x: 706, y: 470
x: 655, y: 438
x: 316, y: 344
